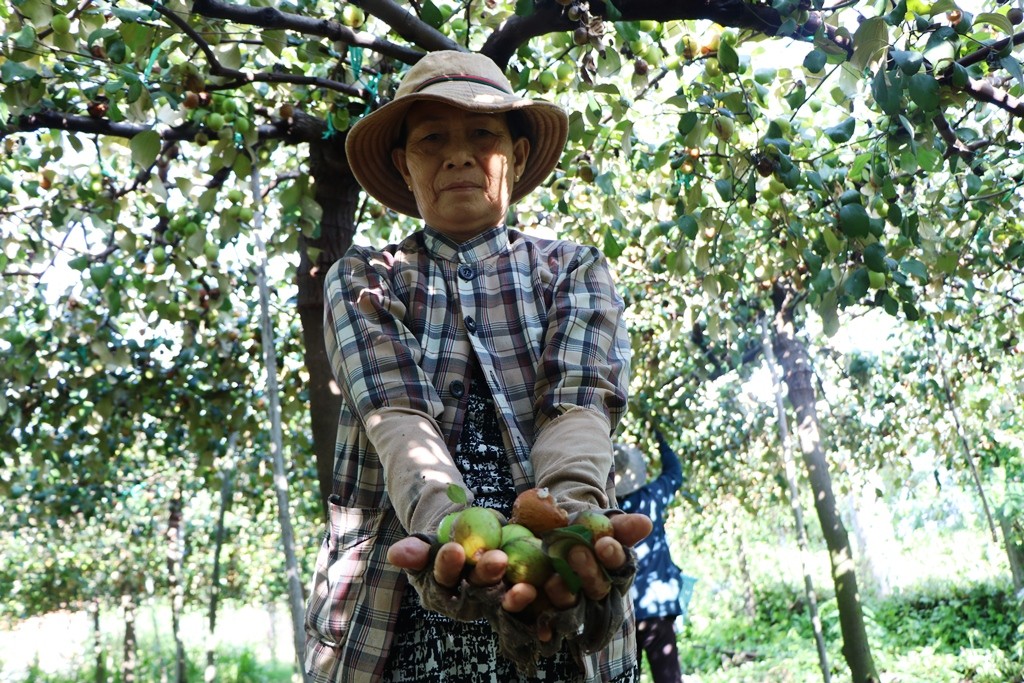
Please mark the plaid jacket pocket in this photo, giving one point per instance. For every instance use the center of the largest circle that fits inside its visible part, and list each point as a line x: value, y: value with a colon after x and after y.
x: 340, y: 565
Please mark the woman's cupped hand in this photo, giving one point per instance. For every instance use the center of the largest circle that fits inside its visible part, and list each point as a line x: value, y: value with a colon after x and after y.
x: 450, y: 566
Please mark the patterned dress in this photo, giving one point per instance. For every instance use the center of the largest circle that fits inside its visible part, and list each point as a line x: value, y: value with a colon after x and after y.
x: 431, y: 648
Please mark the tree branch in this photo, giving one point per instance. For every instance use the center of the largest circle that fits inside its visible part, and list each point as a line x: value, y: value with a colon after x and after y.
x: 549, y: 17
x: 273, y: 18
x: 410, y: 27
x: 300, y: 128
x: 218, y: 69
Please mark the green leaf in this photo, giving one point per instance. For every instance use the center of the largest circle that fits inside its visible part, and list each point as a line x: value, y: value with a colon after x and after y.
x: 687, y: 122
x: 815, y: 61
x: 572, y: 581
x: 688, y: 225
x: 275, y: 40
x: 12, y: 72
x: 822, y: 281
x: 728, y: 59
x: 829, y: 315
x: 929, y: 159
x: 612, y: 248
x: 1013, y: 66
x: 911, y: 266
x: 870, y: 43
x: 145, y: 146
x: 874, y: 257
x: 856, y: 286
x: 924, y: 91
x: 100, y: 274
x: 886, y: 88
x: 889, y: 304
x: 724, y: 187
x: 627, y: 30
x: 26, y: 37
x: 841, y: 132
x: 457, y: 494
x: 999, y: 20
x: 909, y: 62
x: 432, y: 15
x: 940, y: 51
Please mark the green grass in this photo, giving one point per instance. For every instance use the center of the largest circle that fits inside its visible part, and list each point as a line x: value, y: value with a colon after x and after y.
x: 950, y: 616
x: 231, y: 666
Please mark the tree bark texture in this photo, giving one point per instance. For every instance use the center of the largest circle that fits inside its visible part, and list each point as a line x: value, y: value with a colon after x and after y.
x: 99, y: 661
x: 794, y: 501
x: 796, y: 364
x: 1014, y: 549
x: 129, y: 662
x: 226, y: 491
x: 174, y: 581
x: 337, y: 193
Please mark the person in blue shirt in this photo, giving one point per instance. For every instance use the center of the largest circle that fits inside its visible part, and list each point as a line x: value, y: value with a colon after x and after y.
x: 659, y: 582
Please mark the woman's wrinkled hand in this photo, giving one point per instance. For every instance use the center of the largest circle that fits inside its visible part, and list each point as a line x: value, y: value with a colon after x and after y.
x: 413, y: 553
x: 609, y: 554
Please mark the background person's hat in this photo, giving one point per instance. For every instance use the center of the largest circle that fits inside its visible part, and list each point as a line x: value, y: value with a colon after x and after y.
x: 630, y: 469
x: 462, y: 79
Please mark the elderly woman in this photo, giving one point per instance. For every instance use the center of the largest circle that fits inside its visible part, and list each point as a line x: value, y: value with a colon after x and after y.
x: 475, y: 355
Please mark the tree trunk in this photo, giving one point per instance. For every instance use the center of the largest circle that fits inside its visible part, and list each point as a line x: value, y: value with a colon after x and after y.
x: 97, y: 643
x: 794, y: 502
x: 227, y: 487
x: 337, y: 193
x: 295, y: 596
x: 174, y: 554
x: 749, y: 600
x: 796, y: 364
x: 130, y: 662
x: 1014, y: 549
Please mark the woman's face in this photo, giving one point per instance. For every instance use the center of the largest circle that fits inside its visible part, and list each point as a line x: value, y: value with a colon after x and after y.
x: 461, y: 166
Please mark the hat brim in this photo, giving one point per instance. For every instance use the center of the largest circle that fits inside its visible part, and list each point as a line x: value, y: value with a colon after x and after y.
x: 371, y: 140
x: 630, y: 470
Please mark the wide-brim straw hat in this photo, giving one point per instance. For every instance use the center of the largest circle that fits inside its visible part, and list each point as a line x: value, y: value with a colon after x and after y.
x: 630, y: 469
x: 463, y: 79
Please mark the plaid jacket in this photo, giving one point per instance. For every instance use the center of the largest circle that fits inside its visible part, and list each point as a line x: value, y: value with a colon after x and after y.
x: 402, y: 325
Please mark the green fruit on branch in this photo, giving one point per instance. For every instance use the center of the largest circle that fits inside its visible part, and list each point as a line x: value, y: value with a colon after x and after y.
x: 60, y: 23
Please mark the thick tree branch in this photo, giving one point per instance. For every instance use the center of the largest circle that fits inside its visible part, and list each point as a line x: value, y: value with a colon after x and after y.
x: 273, y: 18
x: 981, y: 54
x: 218, y: 69
x: 983, y: 91
x: 549, y: 17
x: 409, y: 26
x: 300, y: 128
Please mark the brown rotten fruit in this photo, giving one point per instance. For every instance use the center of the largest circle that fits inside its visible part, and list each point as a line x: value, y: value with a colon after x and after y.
x: 537, y: 510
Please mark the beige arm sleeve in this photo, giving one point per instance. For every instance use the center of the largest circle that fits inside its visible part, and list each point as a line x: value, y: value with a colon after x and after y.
x: 417, y: 466
x: 572, y: 456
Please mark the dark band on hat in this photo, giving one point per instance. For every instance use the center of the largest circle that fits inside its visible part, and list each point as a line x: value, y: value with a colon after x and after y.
x: 464, y: 78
